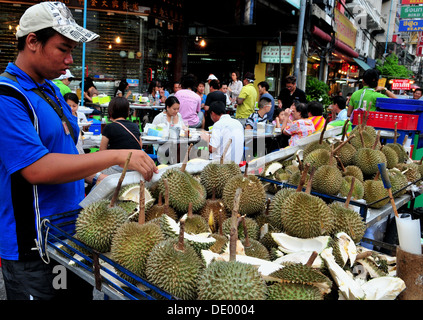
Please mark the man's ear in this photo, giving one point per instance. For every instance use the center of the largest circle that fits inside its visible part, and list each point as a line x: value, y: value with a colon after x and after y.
x: 32, y: 41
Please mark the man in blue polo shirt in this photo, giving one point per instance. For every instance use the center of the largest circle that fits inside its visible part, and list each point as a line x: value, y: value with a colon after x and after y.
x: 41, y: 172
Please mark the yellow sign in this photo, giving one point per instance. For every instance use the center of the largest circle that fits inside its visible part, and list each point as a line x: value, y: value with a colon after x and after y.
x: 345, y: 30
x: 381, y: 82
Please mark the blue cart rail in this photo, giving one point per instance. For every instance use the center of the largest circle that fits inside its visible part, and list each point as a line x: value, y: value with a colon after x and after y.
x: 58, y: 231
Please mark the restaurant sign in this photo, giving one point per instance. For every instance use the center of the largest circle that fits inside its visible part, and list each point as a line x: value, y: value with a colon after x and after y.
x: 412, y: 1
x: 410, y: 25
x: 409, y: 12
x: 271, y: 54
x: 400, y: 84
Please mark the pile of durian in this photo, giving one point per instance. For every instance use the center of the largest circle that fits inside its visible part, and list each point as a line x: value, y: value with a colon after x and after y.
x: 217, y: 235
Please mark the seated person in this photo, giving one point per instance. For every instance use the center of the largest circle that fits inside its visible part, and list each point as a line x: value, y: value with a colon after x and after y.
x: 121, y: 133
x: 225, y: 128
x: 265, y: 104
x: 338, y: 108
x: 301, y: 127
x: 171, y: 112
x: 315, y: 114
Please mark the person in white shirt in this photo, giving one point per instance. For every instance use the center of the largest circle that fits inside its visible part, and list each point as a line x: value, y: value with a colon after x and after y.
x: 171, y: 112
x: 225, y: 128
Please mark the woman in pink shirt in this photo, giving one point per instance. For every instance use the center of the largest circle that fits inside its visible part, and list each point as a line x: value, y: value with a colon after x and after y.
x: 300, y: 127
x: 190, y: 102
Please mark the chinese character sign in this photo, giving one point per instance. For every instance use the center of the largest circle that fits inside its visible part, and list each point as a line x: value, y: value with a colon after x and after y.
x: 270, y: 54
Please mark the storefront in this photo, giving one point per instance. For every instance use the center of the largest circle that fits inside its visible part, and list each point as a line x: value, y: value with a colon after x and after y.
x: 136, y: 42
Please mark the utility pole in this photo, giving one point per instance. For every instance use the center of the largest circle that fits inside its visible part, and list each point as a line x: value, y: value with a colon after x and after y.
x: 298, y: 47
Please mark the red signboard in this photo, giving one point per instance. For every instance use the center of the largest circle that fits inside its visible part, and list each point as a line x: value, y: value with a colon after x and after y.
x: 401, y: 84
x: 412, y: 2
x: 419, y: 48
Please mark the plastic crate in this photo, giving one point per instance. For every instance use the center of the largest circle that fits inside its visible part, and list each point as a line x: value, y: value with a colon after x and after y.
x: 387, y: 120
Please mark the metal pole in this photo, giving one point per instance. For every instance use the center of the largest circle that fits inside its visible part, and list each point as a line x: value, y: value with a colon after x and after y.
x: 387, y: 32
x: 298, y: 47
x: 280, y: 62
x: 83, y: 55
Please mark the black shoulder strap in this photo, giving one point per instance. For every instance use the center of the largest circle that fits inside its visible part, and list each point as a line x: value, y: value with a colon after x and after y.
x: 9, y: 91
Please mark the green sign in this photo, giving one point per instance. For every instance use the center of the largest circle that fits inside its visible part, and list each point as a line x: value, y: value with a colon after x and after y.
x: 408, y: 12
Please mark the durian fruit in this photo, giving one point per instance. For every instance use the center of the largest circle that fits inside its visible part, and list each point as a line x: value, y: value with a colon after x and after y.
x: 175, y: 266
x: 133, y: 242
x: 131, y: 192
x: 346, y: 152
x: 398, y: 182
x: 365, y: 136
x: 327, y: 178
x: 348, y: 220
x: 354, y: 171
x: 318, y: 158
x: 161, y: 208
x: 213, y: 210
x: 231, y: 280
x: 399, y: 149
x: 195, y: 223
x: 183, y: 189
x: 253, y: 229
x: 373, y: 191
x: 276, y: 207
x: 367, y: 160
x: 252, y: 247
x: 410, y: 170
x: 358, y: 188
x: 97, y: 224
x: 253, y: 198
x: 216, y: 175
x: 304, y: 215
x: 391, y: 156
x: 319, y: 144
x: 293, y: 291
x: 295, y: 178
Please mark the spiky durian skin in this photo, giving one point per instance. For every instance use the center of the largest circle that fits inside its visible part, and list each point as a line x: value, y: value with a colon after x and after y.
x: 213, y: 207
x: 306, y: 216
x: 293, y: 291
x: 256, y: 249
x: 358, y: 190
x: 253, y: 229
x: 368, y: 139
x: 314, y: 146
x: 346, y: 153
x: 374, y: 190
x: 391, y: 157
x: 367, y: 160
x: 157, y: 210
x: 216, y: 175
x: 173, y: 270
x: 196, y: 224
x: 399, y: 149
x: 183, y: 189
x: 412, y: 172
x: 276, y: 207
x: 398, y: 182
x: 97, y: 224
x: 231, y: 280
x: 301, y: 273
x: 318, y: 157
x: 221, y: 243
x: 354, y: 171
x: 132, y: 244
x: 327, y: 179
x: 253, y: 195
x: 348, y: 221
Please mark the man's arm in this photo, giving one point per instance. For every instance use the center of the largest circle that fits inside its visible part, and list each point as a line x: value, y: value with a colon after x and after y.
x: 56, y: 168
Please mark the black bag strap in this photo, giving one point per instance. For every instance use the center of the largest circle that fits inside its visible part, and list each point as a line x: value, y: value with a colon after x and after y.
x: 9, y: 91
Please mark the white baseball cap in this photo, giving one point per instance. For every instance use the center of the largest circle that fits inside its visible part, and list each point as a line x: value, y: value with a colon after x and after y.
x: 67, y: 75
x: 212, y: 77
x: 53, y: 15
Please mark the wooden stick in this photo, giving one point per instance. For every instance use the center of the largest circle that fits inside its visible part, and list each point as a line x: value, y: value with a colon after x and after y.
x: 323, y: 131
x: 184, y: 164
x: 234, y: 225
x: 395, y: 132
x: 310, y: 179
x: 344, y: 129
x: 141, y: 215
x: 376, y: 140
x: 222, y: 157
x: 122, y: 176
x: 311, y: 259
x: 347, y: 202
x: 303, y: 177
x: 343, y: 143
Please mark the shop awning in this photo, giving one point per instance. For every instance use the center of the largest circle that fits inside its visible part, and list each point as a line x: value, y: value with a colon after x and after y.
x: 339, y: 45
x: 362, y: 64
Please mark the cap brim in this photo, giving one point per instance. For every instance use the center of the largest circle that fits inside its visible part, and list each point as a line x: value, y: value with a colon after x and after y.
x: 76, y: 33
